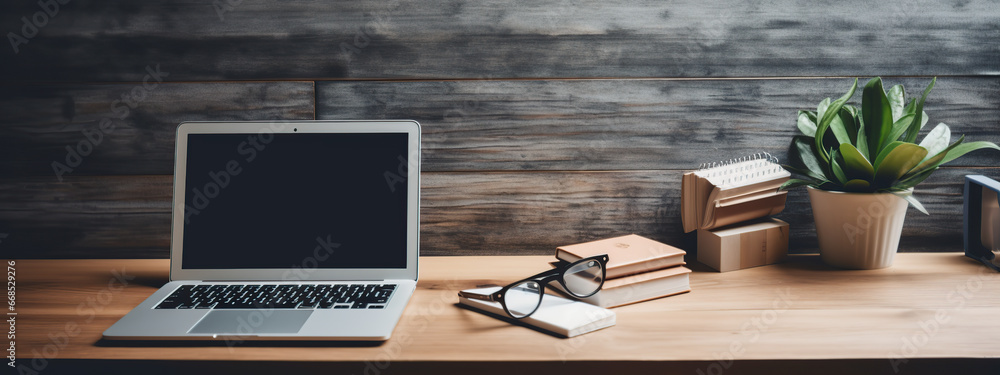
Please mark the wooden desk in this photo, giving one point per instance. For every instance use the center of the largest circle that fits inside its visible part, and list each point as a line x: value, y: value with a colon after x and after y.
x: 930, y: 312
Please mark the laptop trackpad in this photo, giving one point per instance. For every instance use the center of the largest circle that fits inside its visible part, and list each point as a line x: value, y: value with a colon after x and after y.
x: 251, y: 322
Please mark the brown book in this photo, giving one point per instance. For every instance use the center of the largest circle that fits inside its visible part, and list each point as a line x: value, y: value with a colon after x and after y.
x: 627, y: 255
x: 640, y: 287
x: 732, y: 193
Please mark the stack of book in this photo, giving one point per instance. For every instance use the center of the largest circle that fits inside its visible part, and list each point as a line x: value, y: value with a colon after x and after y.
x: 639, y: 269
x: 730, y: 203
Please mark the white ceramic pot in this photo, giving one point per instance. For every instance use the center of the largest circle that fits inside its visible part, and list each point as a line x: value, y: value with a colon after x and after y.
x: 858, y: 230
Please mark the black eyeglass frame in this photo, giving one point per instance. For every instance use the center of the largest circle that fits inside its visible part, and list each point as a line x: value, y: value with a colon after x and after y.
x: 543, y: 279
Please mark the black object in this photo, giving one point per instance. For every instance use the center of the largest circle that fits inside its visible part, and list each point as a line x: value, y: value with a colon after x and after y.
x: 583, y: 282
x: 977, y: 188
x: 284, y: 296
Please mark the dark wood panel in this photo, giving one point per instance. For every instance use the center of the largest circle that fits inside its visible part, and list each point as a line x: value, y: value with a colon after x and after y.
x: 628, y: 124
x: 470, y: 125
x: 41, y: 121
x: 86, y: 217
x: 473, y: 213
x: 255, y: 39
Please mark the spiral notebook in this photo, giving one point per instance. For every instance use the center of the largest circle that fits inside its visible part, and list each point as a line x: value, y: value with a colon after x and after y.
x: 732, y: 191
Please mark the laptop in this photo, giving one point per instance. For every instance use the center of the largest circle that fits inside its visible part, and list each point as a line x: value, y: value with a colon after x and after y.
x: 288, y: 231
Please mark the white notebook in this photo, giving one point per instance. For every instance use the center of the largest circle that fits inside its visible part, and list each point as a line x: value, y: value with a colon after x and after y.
x: 561, y: 316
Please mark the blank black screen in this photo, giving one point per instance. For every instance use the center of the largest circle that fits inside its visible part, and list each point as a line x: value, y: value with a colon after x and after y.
x: 295, y: 201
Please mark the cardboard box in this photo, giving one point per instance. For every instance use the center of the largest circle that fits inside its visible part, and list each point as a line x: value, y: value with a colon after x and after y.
x: 745, y: 245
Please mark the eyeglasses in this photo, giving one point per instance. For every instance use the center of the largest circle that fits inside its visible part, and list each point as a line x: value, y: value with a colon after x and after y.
x: 581, y: 279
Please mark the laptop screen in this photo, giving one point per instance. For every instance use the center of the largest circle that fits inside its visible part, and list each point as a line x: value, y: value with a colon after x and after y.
x: 315, y: 200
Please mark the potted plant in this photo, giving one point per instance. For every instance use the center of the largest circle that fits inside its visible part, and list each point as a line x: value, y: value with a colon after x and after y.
x: 860, y: 166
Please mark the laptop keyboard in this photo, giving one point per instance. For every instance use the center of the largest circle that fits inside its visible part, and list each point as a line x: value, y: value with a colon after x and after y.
x: 281, y: 296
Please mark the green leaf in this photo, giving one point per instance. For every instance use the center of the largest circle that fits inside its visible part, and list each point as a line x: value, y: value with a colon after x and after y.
x: 827, y: 117
x: 885, y: 152
x: 821, y: 107
x: 851, y: 123
x: 876, y: 112
x: 908, y: 182
x: 897, y: 101
x: 807, y: 173
x: 912, y: 200
x: 795, y: 182
x: 841, y: 126
x: 807, y: 123
x: 910, y: 108
x: 899, y: 161
x: 802, y: 147
x: 932, y: 161
x: 966, y: 148
x: 919, y: 115
x: 899, y: 127
x: 857, y: 185
x: 862, y: 141
x: 835, y: 163
x: 937, y: 140
x: 856, y: 166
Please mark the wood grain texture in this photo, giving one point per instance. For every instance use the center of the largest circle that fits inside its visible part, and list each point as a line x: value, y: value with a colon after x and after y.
x: 630, y: 124
x: 780, y: 315
x: 472, y: 125
x: 462, y: 213
x: 41, y: 121
x: 91, y: 41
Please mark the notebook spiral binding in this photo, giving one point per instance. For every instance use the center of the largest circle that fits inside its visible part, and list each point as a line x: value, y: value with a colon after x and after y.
x: 742, y: 169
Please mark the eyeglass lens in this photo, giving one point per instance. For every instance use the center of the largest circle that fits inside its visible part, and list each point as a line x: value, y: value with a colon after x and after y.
x: 583, y: 279
x: 522, y: 299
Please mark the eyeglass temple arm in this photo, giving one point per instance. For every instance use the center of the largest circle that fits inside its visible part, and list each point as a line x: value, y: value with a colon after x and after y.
x: 478, y: 296
x: 552, y: 272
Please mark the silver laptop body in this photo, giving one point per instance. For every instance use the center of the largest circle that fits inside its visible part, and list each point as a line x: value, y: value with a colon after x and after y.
x: 287, y: 211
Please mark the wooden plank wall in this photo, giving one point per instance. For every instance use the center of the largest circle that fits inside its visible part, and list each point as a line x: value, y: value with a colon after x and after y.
x: 545, y: 122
